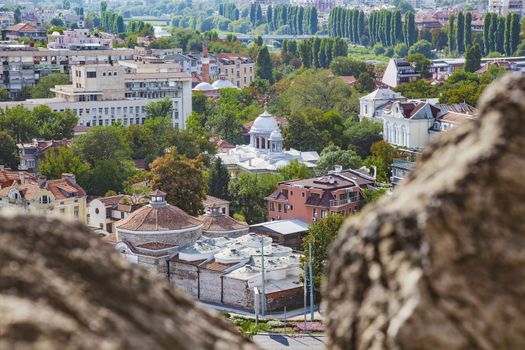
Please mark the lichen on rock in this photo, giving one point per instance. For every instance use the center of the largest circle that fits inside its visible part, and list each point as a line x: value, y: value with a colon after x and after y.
x: 440, y: 264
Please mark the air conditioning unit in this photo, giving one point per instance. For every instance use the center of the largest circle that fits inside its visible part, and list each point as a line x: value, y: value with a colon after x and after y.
x: 278, y: 217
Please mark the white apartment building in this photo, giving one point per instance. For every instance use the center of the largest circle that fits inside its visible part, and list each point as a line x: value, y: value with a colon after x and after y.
x: 22, y: 66
x: 78, y: 39
x: 504, y: 7
x: 104, y: 94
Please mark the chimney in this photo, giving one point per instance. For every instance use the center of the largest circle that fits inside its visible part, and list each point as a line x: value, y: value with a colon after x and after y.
x: 41, y: 180
x: 70, y: 177
x: 338, y: 169
x: 206, y: 72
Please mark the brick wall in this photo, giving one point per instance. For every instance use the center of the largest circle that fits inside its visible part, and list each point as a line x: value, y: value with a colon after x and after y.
x: 184, y: 276
x: 210, y: 286
x: 291, y: 298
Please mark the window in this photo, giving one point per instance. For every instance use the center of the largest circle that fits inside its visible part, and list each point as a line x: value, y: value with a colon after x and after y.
x: 122, y: 215
x: 91, y: 74
x: 302, y: 194
x: 97, y: 211
x: 75, y: 212
x: 45, y: 200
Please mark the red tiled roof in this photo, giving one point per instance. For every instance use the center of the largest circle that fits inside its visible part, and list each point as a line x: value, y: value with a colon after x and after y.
x: 164, y: 218
x: 215, y: 266
x: 23, y: 27
x: 215, y: 222
x: 155, y: 245
x: 64, y: 188
x: 348, y: 79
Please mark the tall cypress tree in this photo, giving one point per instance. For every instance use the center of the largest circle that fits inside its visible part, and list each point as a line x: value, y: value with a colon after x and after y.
x: 219, y: 178
x: 322, y: 54
x: 486, y: 32
x: 468, y: 30
x: 313, y: 20
x: 269, y: 17
x: 388, y: 26
x: 316, y: 46
x: 506, y: 36
x: 263, y: 65
x: 460, y: 33
x: 500, y: 35
x: 451, y: 34
x: 493, y: 31
x: 514, y: 32
x: 410, y: 29
x: 305, y: 51
x: 473, y: 58
x: 361, y: 26
x: 396, y: 29
x: 329, y: 46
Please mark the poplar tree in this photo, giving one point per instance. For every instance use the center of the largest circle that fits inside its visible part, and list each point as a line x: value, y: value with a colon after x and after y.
x: 263, y: 65
x: 410, y: 29
x: 514, y: 32
x: 313, y: 20
x: 460, y: 34
x: 396, y: 30
x: 451, y: 36
x: 507, y: 35
x: 486, y: 32
x: 500, y: 35
x: 468, y: 30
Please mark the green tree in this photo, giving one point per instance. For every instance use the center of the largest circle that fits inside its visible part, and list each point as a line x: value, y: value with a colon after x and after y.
x: 4, y: 95
x: 333, y: 155
x: 350, y: 66
x: 248, y: 192
x: 102, y: 143
x: 8, y: 152
x: 410, y: 29
x: 365, y: 83
x: 226, y: 124
x: 17, y: 14
x: 19, y: 122
x: 321, y: 234
x: 421, y: 63
x: 401, y: 50
x: 108, y: 175
x: 362, y: 135
x: 460, y: 33
x: 418, y: 88
x: 451, y: 34
x: 487, y: 42
x: 514, y: 32
x: 218, y: 179
x: 422, y: 47
x: 468, y: 30
x: 42, y: 88
x: 140, y: 141
x: 473, y: 58
x: 295, y: 171
x: 263, y: 65
x: 64, y: 161
x: 301, y: 134
x: 161, y: 108
x: 182, y: 179
x: 54, y: 125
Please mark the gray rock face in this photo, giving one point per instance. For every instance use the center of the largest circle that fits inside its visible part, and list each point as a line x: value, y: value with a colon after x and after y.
x: 441, y: 263
x: 63, y: 288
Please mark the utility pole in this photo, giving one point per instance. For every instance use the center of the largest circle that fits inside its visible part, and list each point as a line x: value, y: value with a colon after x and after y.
x: 304, y: 284
x: 311, y: 282
x: 263, y: 296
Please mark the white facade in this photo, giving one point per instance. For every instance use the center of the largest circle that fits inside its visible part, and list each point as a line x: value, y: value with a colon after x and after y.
x: 265, y: 153
x: 104, y: 94
x: 370, y: 106
x: 399, y: 71
x: 77, y: 39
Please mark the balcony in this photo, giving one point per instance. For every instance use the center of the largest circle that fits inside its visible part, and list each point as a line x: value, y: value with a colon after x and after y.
x: 340, y: 202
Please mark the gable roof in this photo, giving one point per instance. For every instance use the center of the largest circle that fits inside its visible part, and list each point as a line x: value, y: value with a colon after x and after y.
x: 64, y: 188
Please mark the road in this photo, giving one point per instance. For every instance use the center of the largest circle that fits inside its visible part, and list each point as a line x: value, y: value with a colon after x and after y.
x: 279, y: 341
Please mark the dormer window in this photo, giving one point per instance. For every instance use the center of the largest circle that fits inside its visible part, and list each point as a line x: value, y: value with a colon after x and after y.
x: 45, y: 200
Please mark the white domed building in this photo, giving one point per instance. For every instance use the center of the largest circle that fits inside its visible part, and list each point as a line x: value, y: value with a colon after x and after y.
x: 152, y: 234
x: 266, y: 152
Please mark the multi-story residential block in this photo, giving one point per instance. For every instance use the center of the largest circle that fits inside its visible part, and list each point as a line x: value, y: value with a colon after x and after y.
x: 62, y: 197
x: 33, y: 153
x: 338, y: 192
x: 239, y: 70
x: 104, y: 94
x: 400, y: 169
x: 22, y: 66
x: 6, y: 19
x: 371, y: 106
x: 24, y: 31
x: 412, y: 124
x: 504, y: 7
x: 104, y: 212
x: 320, y: 5
x: 399, y: 71
x: 78, y: 39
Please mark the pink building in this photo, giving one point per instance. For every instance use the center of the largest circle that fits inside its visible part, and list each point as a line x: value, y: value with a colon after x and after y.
x: 78, y: 39
x: 338, y: 192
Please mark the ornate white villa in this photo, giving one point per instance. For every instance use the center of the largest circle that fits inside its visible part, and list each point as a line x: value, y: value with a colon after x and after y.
x: 265, y: 153
x: 214, y: 258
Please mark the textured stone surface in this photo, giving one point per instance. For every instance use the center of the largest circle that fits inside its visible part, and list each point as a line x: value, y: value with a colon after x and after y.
x: 441, y: 263
x: 63, y: 288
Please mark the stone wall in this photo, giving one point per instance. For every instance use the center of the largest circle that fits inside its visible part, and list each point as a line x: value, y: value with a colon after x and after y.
x: 185, y: 277
x: 291, y: 298
x: 210, y: 286
x: 62, y: 287
x: 440, y: 264
x: 237, y: 293
x: 177, y: 238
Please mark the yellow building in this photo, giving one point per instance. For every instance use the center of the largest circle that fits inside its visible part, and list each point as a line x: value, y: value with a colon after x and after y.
x: 61, y: 197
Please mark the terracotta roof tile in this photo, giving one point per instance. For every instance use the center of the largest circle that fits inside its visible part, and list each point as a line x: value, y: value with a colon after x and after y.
x: 164, y: 218
x: 216, y: 222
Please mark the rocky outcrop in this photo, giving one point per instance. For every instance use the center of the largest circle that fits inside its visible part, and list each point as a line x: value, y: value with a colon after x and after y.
x: 62, y: 288
x: 441, y: 263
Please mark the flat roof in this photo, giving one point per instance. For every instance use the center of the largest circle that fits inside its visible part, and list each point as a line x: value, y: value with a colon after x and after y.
x: 284, y: 227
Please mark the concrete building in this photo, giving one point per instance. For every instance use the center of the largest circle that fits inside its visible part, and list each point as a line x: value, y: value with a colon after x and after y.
x: 287, y: 232
x: 412, y: 124
x: 504, y: 7
x: 78, y: 39
x: 371, y: 106
x: 62, y: 197
x: 103, y: 94
x: 239, y: 70
x: 226, y: 271
x: 23, y: 66
x: 265, y: 153
x: 33, y: 153
x: 104, y: 212
x: 399, y: 71
x: 338, y: 192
